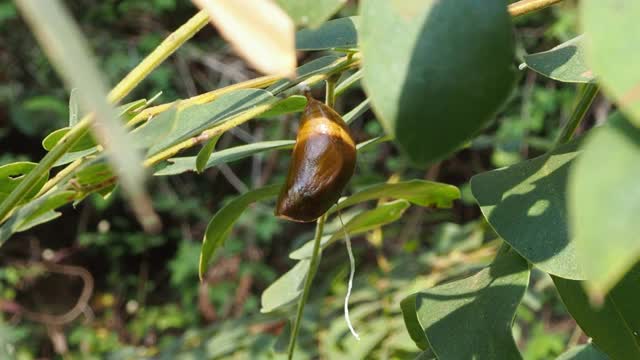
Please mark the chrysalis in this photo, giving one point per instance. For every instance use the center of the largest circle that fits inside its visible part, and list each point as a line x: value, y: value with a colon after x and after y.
x: 323, y: 161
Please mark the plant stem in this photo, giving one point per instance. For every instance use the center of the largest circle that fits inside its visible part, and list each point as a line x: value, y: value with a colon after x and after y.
x: 124, y: 87
x: 523, y: 7
x: 313, y: 268
x: 256, y: 83
x: 158, y: 55
x: 588, y: 93
x: 330, y: 92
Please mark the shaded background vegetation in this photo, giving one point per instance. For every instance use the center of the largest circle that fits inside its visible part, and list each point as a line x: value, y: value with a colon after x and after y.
x: 147, y: 300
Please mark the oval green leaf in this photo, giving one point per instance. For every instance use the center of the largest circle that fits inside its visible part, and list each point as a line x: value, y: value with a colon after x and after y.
x: 361, y: 223
x: 565, y: 62
x: 526, y: 205
x: 434, y: 88
x: 292, y: 104
x: 612, y: 31
x: 471, y: 318
x: 85, y: 142
x: 339, y: 33
x: 286, y: 289
x: 614, y: 326
x: 221, y: 223
x: 417, y: 192
x: 604, y: 203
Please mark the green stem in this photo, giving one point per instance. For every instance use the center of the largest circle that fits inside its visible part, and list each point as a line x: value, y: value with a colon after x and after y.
x: 313, y: 268
x: 124, y: 87
x: 523, y: 7
x: 586, y: 97
x: 330, y: 93
x: 158, y: 55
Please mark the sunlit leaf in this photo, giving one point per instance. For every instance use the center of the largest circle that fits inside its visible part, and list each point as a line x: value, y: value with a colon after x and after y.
x: 604, y: 203
x: 365, y: 221
x: 74, y: 111
x: 434, y: 88
x: 614, y: 326
x: 564, y: 62
x: 526, y: 205
x: 292, y: 104
x: 471, y: 318
x: 611, y: 38
x: 259, y: 30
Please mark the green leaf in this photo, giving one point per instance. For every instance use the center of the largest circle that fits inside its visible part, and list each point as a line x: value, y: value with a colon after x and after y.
x: 73, y: 156
x: 156, y: 129
x: 339, y: 33
x: 34, y: 213
x: 73, y: 108
x: 564, y: 62
x: 205, y: 153
x: 12, y: 174
x: 367, y: 220
x: 604, y: 203
x: 612, y: 31
x: 183, y: 164
x: 583, y: 352
x: 93, y: 173
x: 221, y: 223
x: 417, y: 192
x: 471, y: 318
x: 286, y: 288
x: 356, y: 112
x: 311, y: 13
x: 433, y: 88
x: 66, y: 48
x: 192, y: 120
x: 526, y: 205
x: 292, y: 104
x: 615, y: 325
x: 85, y: 142
x: 309, y: 69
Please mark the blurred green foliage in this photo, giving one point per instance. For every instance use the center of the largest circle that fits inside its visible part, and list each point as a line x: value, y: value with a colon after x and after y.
x: 148, y: 301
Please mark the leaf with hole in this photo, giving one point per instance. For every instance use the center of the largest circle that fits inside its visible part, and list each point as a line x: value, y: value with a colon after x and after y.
x: 470, y: 318
x: 614, y: 326
x: 12, y: 174
x: 220, y: 224
x: 433, y: 88
x: 339, y: 33
x: 365, y: 221
x: 526, y: 205
x: 565, y: 62
x: 604, y: 203
x: 611, y: 38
